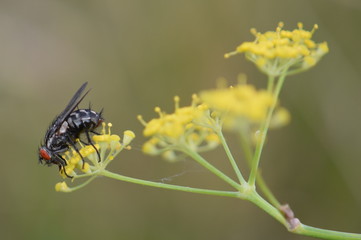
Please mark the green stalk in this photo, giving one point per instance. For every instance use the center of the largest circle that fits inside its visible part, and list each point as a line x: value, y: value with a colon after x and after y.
x: 324, y: 233
x: 72, y: 189
x: 270, y: 83
x: 231, y: 158
x: 251, y: 196
x: 255, y: 198
x: 264, y: 130
x: 109, y: 174
x: 246, y: 148
x: 198, y: 158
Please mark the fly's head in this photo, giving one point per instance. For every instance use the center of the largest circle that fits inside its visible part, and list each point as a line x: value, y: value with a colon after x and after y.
x: 45, y: 155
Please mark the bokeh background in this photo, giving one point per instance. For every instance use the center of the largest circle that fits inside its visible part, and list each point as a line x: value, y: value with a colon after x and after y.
x: 137, y: 55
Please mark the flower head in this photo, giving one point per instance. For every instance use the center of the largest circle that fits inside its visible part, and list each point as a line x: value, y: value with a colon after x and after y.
x: 239, y: 105
x: 88, y: 162
x: 281, y: 51
x: 188, y: 126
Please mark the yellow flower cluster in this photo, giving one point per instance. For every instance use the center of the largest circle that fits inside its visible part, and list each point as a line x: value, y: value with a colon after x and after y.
x: 188, y: 126
x: 242, y: 106
x: 241, y: 100
x: 279, y: 52
x: 107, y: 144
x: 197, y: 127
x: 74, y: 161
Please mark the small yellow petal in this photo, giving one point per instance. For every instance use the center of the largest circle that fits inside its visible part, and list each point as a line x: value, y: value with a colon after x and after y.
x: 85, y: 168
x: 61, y: 187
x: 128, y: 136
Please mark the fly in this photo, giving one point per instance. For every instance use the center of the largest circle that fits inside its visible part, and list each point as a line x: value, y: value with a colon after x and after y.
x: 66, y: 128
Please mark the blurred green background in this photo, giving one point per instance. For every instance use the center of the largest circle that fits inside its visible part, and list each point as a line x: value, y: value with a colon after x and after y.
x: 137, y: 55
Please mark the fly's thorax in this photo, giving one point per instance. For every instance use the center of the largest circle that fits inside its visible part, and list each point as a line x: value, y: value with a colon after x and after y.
x: 63, y: 128
x: 57, y: 143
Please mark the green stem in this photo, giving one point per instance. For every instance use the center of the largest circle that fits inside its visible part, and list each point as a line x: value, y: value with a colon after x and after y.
x: 264, y: 130
x: 109, y: 174
x: 324, y: 233
x: 246, y: 148
x: 250, y: 195
x: 231, y: 158
x: 211, y: 168
x: 270, y: 83
x: 301, y: 229
x: 255, y: 198
x: 72, y: 189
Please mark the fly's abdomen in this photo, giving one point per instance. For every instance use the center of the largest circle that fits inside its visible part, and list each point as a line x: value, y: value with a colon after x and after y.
x: 83, y: 120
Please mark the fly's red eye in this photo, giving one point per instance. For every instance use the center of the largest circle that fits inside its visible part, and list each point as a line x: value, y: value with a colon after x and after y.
x: 44, y: 154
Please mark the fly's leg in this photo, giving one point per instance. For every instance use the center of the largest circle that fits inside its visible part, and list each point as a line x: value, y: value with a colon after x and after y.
x: 61, y: 164
x: 72, y: 143
x: 91, y: 143
x: 94, y: 132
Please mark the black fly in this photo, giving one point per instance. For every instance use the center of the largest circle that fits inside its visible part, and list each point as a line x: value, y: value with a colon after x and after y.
x: 66, y: 129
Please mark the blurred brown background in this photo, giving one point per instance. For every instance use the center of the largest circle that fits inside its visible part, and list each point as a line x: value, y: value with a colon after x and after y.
x: 139, y: 54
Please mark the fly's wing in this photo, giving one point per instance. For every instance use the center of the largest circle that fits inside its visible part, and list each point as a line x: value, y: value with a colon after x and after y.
x: 73, y: 103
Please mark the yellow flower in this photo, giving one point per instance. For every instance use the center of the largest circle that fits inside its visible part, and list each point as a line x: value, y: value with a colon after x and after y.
x: 283, y: 52
x: 240, y: 105
x: 94, y: 161
x: 188, y: 126
x: 62, y: 187
x: 74, y: 161
x: 108, y: 145
x: 172, y: 125
x: 280, y: 118
x: 128, y: 137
